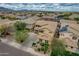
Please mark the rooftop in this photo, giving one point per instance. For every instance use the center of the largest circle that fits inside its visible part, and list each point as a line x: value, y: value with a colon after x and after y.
x: 73, y: 26
x: 49, y: 28
x: 71, y: 44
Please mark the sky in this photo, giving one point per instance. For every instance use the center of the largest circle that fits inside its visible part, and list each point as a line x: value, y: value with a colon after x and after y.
x: 42, y: 6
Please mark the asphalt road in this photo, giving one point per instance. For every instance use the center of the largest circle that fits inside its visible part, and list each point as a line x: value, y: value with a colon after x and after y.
x: 6, y: 50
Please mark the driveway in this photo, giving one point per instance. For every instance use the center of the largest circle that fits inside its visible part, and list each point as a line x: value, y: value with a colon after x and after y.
x: 32, y: 38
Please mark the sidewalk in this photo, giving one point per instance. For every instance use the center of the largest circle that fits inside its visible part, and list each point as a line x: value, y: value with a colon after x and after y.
x: 23, y: 48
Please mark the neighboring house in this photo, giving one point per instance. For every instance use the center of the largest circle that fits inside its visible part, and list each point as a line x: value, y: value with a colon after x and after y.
x: 69, y: 33
x: 70, y: 41
x: 45, y: 30
x: 30, y: 22
x: 49, y: 18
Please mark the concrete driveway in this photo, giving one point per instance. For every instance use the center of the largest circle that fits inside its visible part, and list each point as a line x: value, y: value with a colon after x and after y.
x: 32, y: 38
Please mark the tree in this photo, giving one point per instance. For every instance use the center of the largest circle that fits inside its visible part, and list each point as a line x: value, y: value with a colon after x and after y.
x: 20, y: 25
x: 58, y: 47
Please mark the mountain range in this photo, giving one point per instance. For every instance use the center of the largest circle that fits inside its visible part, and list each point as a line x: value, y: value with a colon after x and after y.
x: 67, y: 7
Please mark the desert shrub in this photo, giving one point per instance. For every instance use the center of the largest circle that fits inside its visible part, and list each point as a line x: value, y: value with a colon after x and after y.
x: 20, y: 25
x: 21, y: 36
x: 57, y: 47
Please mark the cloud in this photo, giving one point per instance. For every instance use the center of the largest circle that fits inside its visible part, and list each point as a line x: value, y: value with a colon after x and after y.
x: 41, y: 6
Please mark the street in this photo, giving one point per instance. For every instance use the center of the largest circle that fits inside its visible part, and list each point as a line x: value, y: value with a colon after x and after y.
x: 6, y: 50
